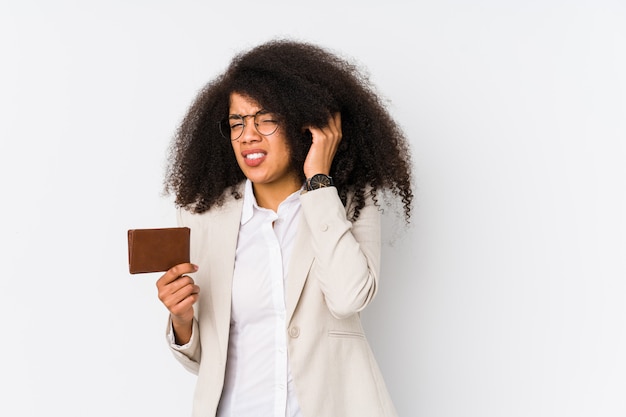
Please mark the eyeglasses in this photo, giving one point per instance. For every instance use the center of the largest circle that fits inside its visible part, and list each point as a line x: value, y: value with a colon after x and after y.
x: 232, y: 128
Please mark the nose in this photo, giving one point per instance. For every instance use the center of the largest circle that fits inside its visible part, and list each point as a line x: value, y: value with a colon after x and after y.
x: 250, y: 133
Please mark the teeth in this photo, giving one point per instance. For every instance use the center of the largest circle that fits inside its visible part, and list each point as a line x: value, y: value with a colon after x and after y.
x: 255, y: 155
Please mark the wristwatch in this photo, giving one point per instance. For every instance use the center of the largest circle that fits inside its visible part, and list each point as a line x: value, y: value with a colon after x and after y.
x: 318, y: 181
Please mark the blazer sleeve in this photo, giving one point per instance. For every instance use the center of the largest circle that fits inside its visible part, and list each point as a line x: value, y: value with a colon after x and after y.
x: 189, y: 354
x: 347, y: 254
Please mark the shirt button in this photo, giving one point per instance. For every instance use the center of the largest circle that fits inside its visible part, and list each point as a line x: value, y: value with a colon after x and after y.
x: 324, y: 227
x: 294, y: 331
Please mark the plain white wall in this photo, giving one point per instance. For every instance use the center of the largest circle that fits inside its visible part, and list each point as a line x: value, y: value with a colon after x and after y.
x: 504, y: 298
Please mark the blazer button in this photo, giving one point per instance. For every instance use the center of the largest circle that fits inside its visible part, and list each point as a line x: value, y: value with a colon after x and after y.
x: 294, y: 331
x: 324, y: 227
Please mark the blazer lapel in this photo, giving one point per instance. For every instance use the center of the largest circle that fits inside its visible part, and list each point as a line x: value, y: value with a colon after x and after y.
x: 221, y: 241
x: 299, y: 266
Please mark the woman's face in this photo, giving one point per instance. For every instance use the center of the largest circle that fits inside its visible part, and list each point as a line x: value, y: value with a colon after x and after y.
x: 264, y: 160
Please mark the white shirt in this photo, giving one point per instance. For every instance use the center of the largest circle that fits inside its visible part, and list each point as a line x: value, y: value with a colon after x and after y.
x: 258, y: 381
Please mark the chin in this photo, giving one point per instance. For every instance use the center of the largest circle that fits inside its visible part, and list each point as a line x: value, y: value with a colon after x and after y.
x: 258, y: 179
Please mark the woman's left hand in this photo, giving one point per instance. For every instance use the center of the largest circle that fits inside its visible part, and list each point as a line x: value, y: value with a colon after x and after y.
x: 324, y: 147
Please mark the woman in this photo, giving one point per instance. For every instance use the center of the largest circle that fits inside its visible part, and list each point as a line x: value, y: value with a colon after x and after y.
x: 278, y: 169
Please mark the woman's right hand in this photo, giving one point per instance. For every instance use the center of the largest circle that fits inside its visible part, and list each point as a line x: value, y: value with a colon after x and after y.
x: 178, y: 293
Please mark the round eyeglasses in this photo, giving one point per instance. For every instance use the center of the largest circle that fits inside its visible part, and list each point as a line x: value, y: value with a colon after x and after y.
x: 232, y: 128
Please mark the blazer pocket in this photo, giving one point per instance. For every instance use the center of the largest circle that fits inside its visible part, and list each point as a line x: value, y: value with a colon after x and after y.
x: 343, y: 333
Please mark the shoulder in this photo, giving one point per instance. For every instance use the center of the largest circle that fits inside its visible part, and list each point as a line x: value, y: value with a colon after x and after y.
x: 364, y: 200
x: 231, y: 201
x: 328, y: 201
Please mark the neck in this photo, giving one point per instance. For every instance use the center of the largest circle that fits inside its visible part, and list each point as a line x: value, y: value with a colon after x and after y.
x: 270, y: 196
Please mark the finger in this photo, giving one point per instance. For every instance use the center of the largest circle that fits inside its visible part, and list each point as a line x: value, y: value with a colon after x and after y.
x: 174, y: 299
x: 335, y: 122
x: 172, y: 293
x: 176, y: 271
x: 332, y: 130
x: 183, y: 306
x: 177, y: 284
x: 325, y: 134
x: 184, y: 282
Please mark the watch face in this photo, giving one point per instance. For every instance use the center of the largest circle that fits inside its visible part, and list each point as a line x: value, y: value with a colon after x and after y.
x: 319, y: 181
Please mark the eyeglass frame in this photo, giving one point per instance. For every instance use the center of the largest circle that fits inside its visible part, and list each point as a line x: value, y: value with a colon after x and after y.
x: 243, y: 122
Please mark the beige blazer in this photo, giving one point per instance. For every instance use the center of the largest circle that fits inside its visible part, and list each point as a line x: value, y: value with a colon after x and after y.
x: 332, y: 276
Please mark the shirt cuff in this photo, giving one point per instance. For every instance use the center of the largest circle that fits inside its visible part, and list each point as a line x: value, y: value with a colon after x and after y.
x: 172, y: 340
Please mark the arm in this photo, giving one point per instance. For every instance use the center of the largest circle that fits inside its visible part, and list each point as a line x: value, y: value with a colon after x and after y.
x: 178, y: 293
x: 347, y: 255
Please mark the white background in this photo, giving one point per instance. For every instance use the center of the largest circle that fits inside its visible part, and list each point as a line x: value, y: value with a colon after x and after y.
x: 506, y: 296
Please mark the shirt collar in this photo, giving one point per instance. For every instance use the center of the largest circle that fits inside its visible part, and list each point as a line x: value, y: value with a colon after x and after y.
x: 249, y: 202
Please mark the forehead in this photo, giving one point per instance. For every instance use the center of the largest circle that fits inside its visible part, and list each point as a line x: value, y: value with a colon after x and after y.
x: 240, y: 104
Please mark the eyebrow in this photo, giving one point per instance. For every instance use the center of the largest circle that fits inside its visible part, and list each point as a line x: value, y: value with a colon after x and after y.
x: 246, y: 115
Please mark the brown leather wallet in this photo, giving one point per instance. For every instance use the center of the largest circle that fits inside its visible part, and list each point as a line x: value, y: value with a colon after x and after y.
x: 157, y: 250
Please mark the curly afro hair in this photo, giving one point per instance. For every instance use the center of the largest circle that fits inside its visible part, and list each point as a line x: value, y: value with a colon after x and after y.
x: 304, y: 84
